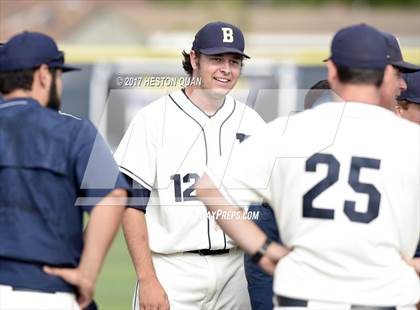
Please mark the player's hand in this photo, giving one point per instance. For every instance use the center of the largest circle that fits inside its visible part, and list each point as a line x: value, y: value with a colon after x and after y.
x: 75, y: 277
x: 274, y: 253
x: 414, y: 262
x: 267, y: 265
x: 152, y: 296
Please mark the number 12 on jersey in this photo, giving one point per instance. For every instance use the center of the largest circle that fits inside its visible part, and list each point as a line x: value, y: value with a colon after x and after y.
x: 186, y: 195
x: 357, y: 163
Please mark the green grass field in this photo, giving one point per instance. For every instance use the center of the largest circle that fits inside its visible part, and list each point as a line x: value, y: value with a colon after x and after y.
x: 116, y: 283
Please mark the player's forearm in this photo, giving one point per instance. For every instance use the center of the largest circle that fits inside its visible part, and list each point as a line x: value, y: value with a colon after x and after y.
x: 238, y: 229
x: 103, y: 225
x: 136, y: 236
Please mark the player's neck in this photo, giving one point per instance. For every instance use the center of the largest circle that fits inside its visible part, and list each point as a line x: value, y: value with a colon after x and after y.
x: 203, y: 99
x: 21, y: 93
x: 359, y: 93
x: 18, y: 93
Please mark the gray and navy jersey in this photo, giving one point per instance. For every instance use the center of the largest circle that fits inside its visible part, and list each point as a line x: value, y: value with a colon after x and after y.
x: 43, y: 162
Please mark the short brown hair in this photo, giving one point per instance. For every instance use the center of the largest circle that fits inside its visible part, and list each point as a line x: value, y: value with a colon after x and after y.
x: 315, y: 92
x: 186, y: 63
x: 359, y: 76
x: 18, y: 79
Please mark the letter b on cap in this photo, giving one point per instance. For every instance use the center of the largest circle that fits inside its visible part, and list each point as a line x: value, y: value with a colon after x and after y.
x: 227, y: 35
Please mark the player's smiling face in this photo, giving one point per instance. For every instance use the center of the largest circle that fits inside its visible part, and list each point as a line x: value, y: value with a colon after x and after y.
x: 219, y: 73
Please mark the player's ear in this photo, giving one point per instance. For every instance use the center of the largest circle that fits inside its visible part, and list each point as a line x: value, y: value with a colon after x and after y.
x: 388, y: 73
x: 194, y: 58
x: 44, y: 76
x: 398, y: 110
x: 332, y: 75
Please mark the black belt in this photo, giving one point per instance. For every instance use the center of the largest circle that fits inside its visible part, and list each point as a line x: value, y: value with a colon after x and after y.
x: 295, y: 302
x: 205, y: 252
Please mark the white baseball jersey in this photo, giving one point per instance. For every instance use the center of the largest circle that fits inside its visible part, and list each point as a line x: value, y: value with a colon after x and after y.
x: 165, y: 149
x: 343, y: 180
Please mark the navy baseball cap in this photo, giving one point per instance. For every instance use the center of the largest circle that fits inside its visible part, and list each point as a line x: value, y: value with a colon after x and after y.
x: 394, y: 55
x: 219, y: 38
x: 412, y: 93
x: 359, y: 46
x: 28, y: 50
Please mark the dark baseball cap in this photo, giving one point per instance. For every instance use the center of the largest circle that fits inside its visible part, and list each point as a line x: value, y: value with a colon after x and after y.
x: 28, y: 50
x: 394, y: 54
x: 219, y: 38
x: 412, y: 93
x: 359, y: 46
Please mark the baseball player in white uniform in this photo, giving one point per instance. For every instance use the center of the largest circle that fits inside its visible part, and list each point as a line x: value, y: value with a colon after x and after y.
x: 345, y: 202
x: 193, y: 264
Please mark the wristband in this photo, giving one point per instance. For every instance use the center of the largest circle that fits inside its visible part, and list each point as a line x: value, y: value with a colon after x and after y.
x: 261, y: 251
